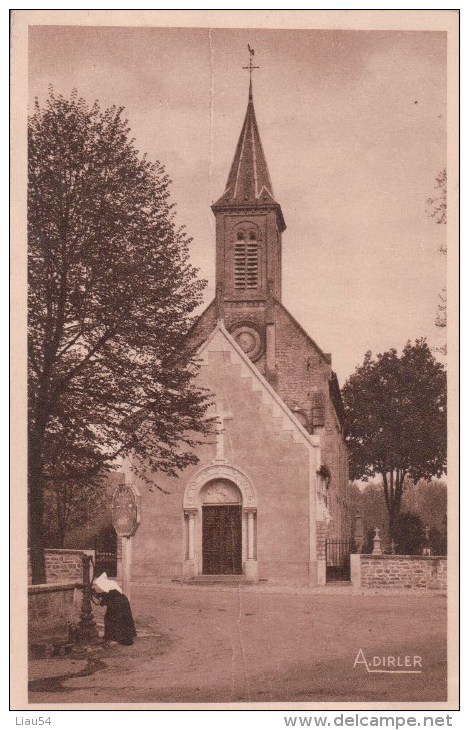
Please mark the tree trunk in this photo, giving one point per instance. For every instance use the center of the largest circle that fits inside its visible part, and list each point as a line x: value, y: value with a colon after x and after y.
x: 392, y: 525
x: 36, y: 511
x: 36, y: 531
x: 61, y: 536
x: 393, y: 496
x: 60, y: 510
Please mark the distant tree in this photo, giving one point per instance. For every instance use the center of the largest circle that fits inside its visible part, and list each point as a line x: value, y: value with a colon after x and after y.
x: 68, y: 505
x: 395, y: 420
x: 428, y: 500
x: 409, y: 534
x: 438, y: 541
x: 111, y: 293
x: 368, y: 500
x: 354, y: 500
x: 369, y: 540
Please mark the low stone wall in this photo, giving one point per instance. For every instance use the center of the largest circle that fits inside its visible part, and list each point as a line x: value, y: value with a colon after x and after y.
x: 52, y: 609
x: 398, y: 571
x: 63, y: 566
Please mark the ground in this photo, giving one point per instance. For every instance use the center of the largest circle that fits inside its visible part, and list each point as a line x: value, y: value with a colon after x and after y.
x: 258, y: 644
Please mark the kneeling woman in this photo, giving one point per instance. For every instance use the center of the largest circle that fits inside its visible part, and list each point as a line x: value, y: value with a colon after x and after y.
x: 118, y: 620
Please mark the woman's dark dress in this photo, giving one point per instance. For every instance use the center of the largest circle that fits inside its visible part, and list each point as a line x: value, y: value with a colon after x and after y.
x: 118, y: 621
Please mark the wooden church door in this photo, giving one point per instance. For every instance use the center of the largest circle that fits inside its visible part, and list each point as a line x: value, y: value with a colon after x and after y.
x: 221, y: 540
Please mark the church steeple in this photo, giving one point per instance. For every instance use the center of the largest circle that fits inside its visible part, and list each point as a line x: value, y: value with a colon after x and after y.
x: 250, y: 223
x: 249, y: 180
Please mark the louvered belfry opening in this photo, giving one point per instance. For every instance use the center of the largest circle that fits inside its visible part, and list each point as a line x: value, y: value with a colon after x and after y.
x: 246, y: 261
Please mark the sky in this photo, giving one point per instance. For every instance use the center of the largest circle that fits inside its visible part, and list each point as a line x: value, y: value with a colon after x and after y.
x: 353, y: 125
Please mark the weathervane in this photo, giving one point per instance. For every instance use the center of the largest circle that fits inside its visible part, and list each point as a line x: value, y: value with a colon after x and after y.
x: 250, y: 68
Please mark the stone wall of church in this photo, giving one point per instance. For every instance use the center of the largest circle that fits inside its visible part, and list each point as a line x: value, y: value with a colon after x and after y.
x: 302, y: 381
x: 158, y: 546
x: 334, y: 454
x: 301, y: 370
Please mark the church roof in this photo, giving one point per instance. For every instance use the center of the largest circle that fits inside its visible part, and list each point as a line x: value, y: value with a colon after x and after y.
x: 249, y: 180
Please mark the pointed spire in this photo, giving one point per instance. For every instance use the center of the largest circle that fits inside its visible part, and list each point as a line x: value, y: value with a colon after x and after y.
x: 249, y: 180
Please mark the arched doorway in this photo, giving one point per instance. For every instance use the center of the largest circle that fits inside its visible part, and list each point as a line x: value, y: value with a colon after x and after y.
x: 221, y: 528
x: 220, y: 523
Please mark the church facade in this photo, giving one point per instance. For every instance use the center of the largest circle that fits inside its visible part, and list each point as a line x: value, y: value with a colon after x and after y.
x: 272, y: 485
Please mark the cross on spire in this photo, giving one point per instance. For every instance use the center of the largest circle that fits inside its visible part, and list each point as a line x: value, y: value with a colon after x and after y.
x: 250, y: 68
x: 248, y: 180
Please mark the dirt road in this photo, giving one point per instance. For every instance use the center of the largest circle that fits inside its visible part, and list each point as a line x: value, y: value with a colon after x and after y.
x: 206, y: 644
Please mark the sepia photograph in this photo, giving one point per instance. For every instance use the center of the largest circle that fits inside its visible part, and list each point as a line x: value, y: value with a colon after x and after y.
x: 235, y: 252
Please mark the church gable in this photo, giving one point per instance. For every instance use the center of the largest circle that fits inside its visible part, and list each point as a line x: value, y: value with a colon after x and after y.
x: 222, y: 347
x: 260, y: 444
x: 298, y: 370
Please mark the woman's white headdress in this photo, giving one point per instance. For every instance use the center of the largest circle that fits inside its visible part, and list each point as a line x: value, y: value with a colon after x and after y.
x: 105, y: 584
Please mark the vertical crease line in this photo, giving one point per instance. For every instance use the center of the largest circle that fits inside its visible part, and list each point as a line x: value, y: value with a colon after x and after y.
x: 245, y: 670
x: 212, y: 95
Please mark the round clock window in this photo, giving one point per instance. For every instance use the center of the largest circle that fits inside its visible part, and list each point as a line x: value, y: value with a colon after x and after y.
x: 249, y: 340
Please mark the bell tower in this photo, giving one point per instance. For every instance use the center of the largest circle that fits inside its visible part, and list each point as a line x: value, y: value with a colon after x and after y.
x: 249, y: 227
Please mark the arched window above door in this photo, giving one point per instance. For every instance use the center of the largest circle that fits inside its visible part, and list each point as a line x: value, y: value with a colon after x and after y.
x: 221, y: 491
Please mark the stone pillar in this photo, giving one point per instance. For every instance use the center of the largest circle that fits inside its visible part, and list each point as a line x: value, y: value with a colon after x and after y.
x: 126, y: 564
x: 270, y: 356
x: 359, y: 534
x: 377, y: 543
x: 119, y: 558
x: 251, y: 570
x: 190, y: 562
x: 191, y: 532
x: 355, y: 570
x: 220, y: 301
x: 270, y: 350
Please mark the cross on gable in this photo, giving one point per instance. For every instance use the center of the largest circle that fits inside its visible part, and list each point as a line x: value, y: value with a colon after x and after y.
x: 222, y: 415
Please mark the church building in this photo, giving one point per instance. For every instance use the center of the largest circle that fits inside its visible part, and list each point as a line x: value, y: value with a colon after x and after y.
x: 271, y: 486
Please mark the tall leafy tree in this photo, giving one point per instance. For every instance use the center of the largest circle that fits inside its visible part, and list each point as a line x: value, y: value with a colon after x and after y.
x: 395, y: 416
x: 111, y: 296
